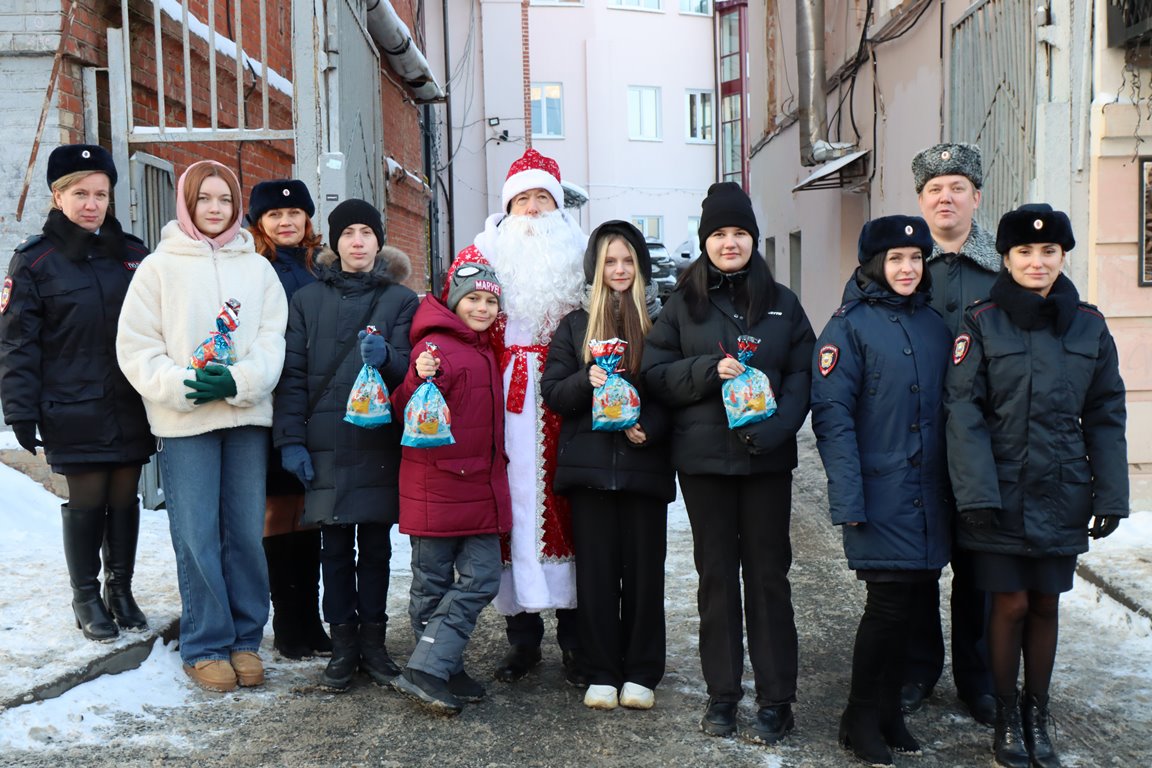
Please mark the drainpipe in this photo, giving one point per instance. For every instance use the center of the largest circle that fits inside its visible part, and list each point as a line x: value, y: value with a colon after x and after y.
x: 812, y: 76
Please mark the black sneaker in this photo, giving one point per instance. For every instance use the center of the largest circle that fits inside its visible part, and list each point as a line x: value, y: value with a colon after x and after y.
x: 770, y: 725
x: 429, y: 690
x: 462, y: 686
x: 719, y: 719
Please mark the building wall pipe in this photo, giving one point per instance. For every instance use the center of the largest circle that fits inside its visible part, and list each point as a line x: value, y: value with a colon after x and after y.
x: 812, y: 79
x: 390, y: 32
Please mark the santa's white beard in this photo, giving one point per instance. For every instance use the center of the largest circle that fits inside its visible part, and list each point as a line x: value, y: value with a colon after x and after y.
x: 540, y: 263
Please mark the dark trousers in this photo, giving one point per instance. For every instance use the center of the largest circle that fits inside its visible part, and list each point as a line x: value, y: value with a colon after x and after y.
x: 879, y: 654
x: 970, y: 606
x: 528, y: 629
x: 621, y: 541
x: 740, y: 529
x: 355, y: 562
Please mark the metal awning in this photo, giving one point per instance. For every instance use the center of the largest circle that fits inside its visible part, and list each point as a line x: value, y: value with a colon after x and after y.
x: 838, y: 173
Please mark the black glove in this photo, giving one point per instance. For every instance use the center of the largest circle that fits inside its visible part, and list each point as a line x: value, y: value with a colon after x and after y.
x: 296, y: 459
x: 213, y: 383
x: 979, y: 518
x: 25, y: 432
x: 1101, y: 527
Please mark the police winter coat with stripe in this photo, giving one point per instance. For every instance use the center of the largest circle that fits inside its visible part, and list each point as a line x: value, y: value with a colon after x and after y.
x: 680, y: 358
x: 58, y: 343
x: 356, y: 469
x: 602, y: 460
x: 1036, y: 420
x: 459, y: 489
x: 878, y: 414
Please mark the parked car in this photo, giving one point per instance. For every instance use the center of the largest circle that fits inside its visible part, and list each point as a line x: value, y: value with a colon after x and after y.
x: 664, y: 272
x: 683, y: 256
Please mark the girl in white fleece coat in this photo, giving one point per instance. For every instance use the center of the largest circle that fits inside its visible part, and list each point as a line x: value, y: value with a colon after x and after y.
x: 211, y: 424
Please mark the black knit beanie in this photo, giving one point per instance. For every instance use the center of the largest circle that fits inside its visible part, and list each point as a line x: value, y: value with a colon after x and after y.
x: 726, y: 205
x: 351, y: 212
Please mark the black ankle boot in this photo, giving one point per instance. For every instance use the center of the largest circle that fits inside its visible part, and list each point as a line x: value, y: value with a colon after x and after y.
x: 374, y: 658
x: 345, y: 657
x: 1035, y: 722
x: 83, y: 536
x: 719, y: 718
x: 894, y: 729
x: 517, y: 662
x: 120, y: 538
x: 860, y: 733
x: 1008, y: 745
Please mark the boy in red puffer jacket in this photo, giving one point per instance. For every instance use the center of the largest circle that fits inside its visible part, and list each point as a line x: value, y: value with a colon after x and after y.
x: 454, y: 499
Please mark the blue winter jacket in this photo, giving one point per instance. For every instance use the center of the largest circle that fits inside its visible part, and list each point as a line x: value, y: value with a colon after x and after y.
x: 877, y: 410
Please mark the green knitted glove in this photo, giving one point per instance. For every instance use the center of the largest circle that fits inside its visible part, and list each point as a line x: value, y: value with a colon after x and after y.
x: 213, y: 383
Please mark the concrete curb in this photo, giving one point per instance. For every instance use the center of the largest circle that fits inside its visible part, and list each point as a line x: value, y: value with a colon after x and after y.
x: 1086, y: 572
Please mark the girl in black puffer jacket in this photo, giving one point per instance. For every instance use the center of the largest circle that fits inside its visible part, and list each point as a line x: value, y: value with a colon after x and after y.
x: 619, y: 483
x: 737, y: 483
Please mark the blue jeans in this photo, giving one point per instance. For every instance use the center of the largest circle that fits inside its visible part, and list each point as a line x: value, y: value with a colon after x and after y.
x: 452, y: 580
x: 214, y: 491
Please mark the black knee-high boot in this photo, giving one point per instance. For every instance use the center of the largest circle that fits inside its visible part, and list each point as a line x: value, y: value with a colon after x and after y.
x: 306, y: 547
x: 120, y: 538
x: 83, y: 536
x: 287, y: 638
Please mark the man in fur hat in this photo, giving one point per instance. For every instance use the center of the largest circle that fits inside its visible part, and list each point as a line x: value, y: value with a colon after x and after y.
x: 537, y: 250
x: 963, y: 265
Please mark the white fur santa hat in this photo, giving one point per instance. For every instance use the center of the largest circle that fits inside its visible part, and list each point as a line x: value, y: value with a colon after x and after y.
x: 533, y: 171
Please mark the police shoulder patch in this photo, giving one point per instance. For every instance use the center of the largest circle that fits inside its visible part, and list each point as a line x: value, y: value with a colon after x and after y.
x: 829, y: 356
x: 6, y: 294
x: 960, y: 348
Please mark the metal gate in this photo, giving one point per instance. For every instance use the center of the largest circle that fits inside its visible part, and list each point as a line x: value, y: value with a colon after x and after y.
x: 992, y: 96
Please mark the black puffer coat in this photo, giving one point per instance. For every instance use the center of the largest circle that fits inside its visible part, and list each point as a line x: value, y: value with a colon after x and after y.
x: 602, y: 460
x: 58, y: 363
x: 357, y: 469
x: 680, y: 358
x: 1036, y: 420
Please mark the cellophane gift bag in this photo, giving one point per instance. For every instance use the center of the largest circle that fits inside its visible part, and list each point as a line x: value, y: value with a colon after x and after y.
x: 427, y: 420
x: 748, y: 397
x: 217, y: 349
x: 368, y: 401
x: 615, y: 403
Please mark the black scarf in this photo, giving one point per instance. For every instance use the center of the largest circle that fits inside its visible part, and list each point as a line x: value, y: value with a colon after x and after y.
x: 77, y: 243
x: 1030, y: 310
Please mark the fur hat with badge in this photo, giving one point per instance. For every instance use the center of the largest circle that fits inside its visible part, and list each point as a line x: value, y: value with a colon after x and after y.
x: 74, y: 158
x: 353, y: 211
x: 887, y: 232
x: 473, y: 277
x: 1034, y: 223
x: 727, y: 205
x: 279, y: 193
x: 956, y: 159
x: 532, y: 171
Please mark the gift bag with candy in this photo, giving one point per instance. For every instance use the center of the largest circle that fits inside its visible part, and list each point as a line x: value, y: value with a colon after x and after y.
x: 615, y: 403
x: 368, y: 401
x: 748, y: 398
x: 217, y: 348
x: 427, y: 420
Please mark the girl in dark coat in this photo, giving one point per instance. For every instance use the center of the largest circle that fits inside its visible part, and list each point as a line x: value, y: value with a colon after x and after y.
x: 349, y: 472
x: 280, y: 212
x: 737, y: 483
x: 1037, y: 457
x: 879, y: 367
x: 619, y: 483
x: 58, y: 314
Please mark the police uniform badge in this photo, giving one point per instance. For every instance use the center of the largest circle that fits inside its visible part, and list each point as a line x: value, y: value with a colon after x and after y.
x: 6, y: 294
x: 829, y: 356
x: 960, y: 348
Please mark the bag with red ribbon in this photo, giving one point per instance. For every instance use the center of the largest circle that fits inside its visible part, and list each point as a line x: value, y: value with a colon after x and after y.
x: 615, y: 403
x: 368, y: 401
x: 748, y: 398
x: 427, y: 420
x: 217, y: 349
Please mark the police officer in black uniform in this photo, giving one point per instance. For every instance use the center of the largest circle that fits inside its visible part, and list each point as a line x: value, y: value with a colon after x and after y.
x: 58, y: 375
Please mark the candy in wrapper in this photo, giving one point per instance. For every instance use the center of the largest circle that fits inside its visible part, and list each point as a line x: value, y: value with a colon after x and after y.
x: 217, y: 349
x: 427, y: 420
x: 615, y: 403
x: 368, y: 401
x: 748, y: 397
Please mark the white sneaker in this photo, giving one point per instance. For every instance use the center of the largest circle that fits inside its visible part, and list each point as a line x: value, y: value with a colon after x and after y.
x: 635, y: 696
x: 600, y: 697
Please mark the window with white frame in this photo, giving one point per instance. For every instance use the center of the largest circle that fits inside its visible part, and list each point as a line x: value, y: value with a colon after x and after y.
x: 702, y: 7
x: 556, y: 2
x: 652, y: 227
x: 699, y: 118
x: 648, y: 5
x: 547, y: 110
x: 694, y: 235
x: 644, y: 113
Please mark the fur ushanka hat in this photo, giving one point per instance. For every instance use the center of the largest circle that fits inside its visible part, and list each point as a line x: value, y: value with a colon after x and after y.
x: 886, y: 232
x: 1034, y: 223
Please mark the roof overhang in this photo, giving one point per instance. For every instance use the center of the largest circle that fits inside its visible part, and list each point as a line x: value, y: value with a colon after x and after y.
x: 848, y: 170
